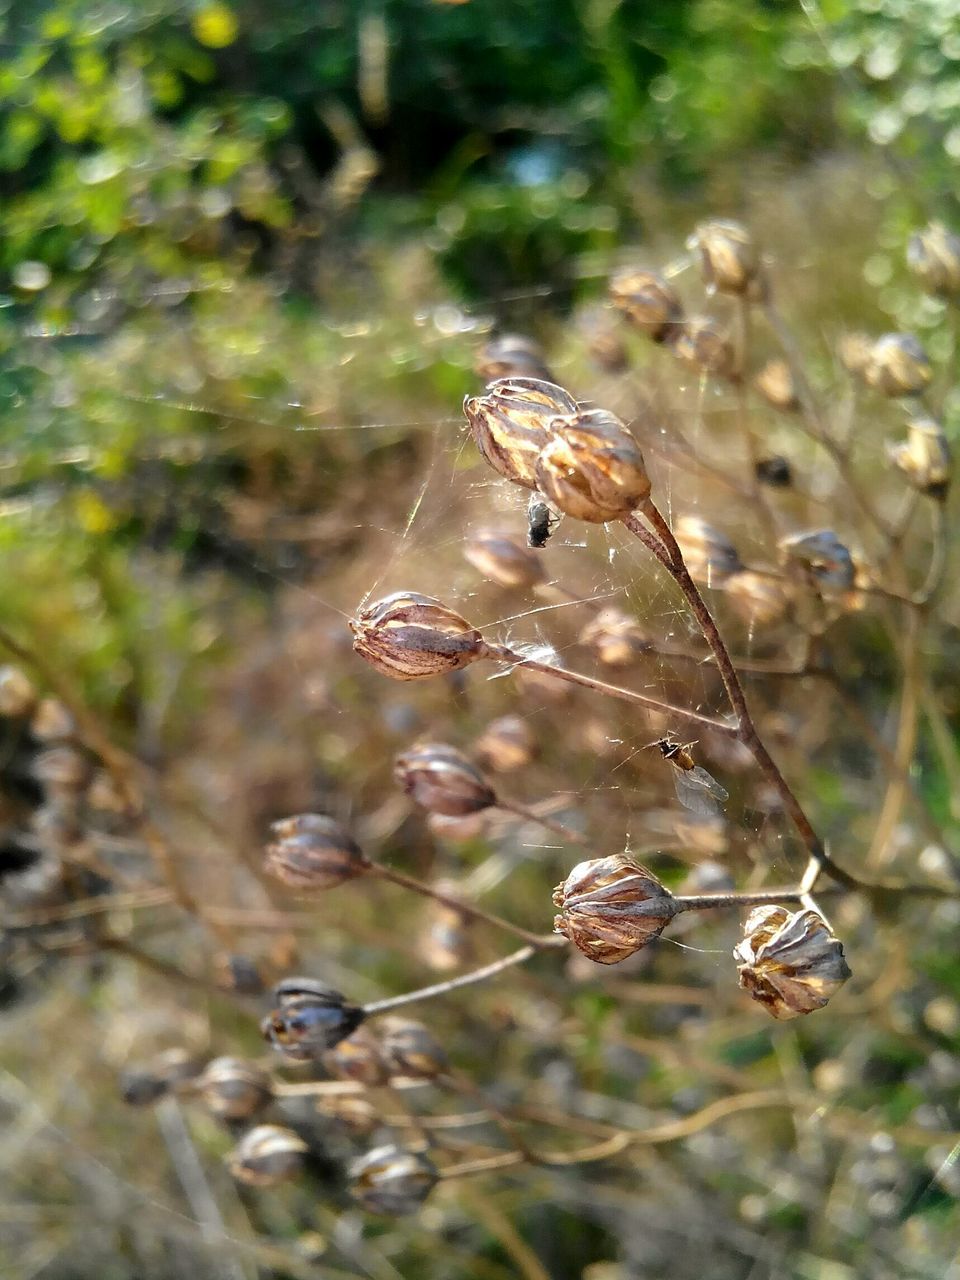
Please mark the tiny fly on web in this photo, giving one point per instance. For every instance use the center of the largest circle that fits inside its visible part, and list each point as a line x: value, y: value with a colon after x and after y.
x: 540, y: 523
x: 696, y: 789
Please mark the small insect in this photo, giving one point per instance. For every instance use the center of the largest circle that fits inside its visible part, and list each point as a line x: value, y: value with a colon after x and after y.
x: 696, y: 789
x: 540, y: 523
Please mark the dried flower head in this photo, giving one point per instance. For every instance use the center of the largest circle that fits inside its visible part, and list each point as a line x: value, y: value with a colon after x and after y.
x: 709, y: 554
x: 898, y: 366
x: 775, y: 383
x: 359, y: 1057
x: 312, y: 852
x: 267, y: 1155
x: 757, y: 598
x: 615, y: 637
x: 503, y: 559
x: 611, y: 907
x: 924, y: 457
x: 411, y: 1050
x: 592, y: 469
x: 823, y: 556
x: 647, y: 300
x: 506, y: 744
x: 510, y: 424
x: 729, y: 262
x: 933, y: 255
x: 512, y: 356
x: 392, y: 1181
x: 408, y: 636
x: 701, y: 342
x: 442, y: 779
x: 233, y: 1089
x: 789, y: 961
x: 308, y: 1019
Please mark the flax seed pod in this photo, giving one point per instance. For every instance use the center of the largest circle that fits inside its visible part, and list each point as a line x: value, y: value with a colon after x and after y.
x: 757, y: 598
x: 409, y: 636
x: 511, y: 421
x: 411, y: 1050
x: 308, y: 1019
x: 611, y: 908
x: 442, y: 779
x: 648, y: 301
x: 710, y: 556
x: 729, y: 262
x: 267, y: 1156
x: 933, y: 255
x: 823, y: 556
x: 790, y: 962
x: 232, y: 1089
x: 775, y: 383
x: 504, y: 559
x: 392, y: 1181
x: 17, y: 693
x: 924, y: 457
x: 512, y: 356
x: 359, y: 1057
x: 898, y: 366
x: 701, y: 342
x: 313, y: 853
x: 592, y: 469
x: 615, y: 637
x: 506, y: 744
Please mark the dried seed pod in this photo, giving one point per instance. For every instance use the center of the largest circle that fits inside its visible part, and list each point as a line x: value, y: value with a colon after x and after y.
x: 701, y: 342
x: 408, y: 636
x: 933, y: 255
x: 512, y: 356
x: 611, y: 907
x: 355, y: 1113
x: 503, y: 559
x: 312, y: 852
x: 17, y: 694
x: 615, y: 636
x: 774, y: 471
x: 648, y: 301
x: 602, y: 339
x: 104, y: 794
x: 392, y: 1181
x: 267, y: 1155
x: 52, y: 721
x: 775, y: 383
x: 506, y: 744
x: 359, y: 1057
x: 411, y: 1050
x: 232, y: 1089
x: 789, y: 961
x: 510, y: 424
x: 144, y: 1084
x: 729, y: 262
x: 855, y: 350
x: 710, y: 556
x: 757, y: 598
x: 822, y: 555
x: 898, y: 366
x: 592, y: 469
x: 924, y: 457
x: 441, y: 779
x: 309, y: 1018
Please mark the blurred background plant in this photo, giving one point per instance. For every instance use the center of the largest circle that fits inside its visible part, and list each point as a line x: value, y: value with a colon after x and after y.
x: 249, y: 257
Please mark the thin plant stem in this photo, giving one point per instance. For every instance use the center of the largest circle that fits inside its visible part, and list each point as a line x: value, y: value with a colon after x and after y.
x: 551, y: 824
x: 453, y: 984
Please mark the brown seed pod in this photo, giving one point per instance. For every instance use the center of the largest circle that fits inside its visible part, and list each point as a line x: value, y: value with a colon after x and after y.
x: 933, y: 255
x: 504, y: 559
x: 17, y: 694
x: 701, y: 342
x: 232, y: 1089
x: 408, y: 636
x: 710, y: 556
x: 924, y: 457
x: 775, y: 383
x: 510, y: 424
x: 146, y: 1083
x: 354, y: 1113
x: 312, y: 852
x: 442, y: 779
x: 266, y: 1156
x: 648, y: 301
x: 757, y: 598
x: 898, y: 366
x: 411, y: 1050
x: 592, y: 469
x: 729, y: 262
x: 615, y: 637
x: 790, y: 962
x: 611, y: 907
x: 359, y: 1057
x: 237, y: 973
x: 309, y: 1018
x: 392, y: 1181
x: 854, y: 350
x: 506, y: 744
x: 512, y: 356
x: 823, y: 556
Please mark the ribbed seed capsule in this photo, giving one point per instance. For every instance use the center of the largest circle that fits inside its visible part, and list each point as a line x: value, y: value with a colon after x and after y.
x: 700, y: 342
x: 506, y: 744
x: 823, y: 556
x: 898, y: 366
x: 592, y: 469
x: 615, y: 637
x: 233, y: 1089
x: 757, y: 598
x: 729, y: 262
x: 408, y: 636
x: 392, y: 1181
x: 611, y: 907
x: 411, y: 1050
x: 309, y: 1018
x: 359, y: 1057
x: 647, y: 300
x: 924, y: 457
x: 17, y: 694
x: 933, y: 255
x: 312, y: 852
x: 790, y: 962
x: 512, y: 356
x: 503, y: 559
x: 511, y: 421
x: 709, y: 554
x: 775, y: 383
x: 267, y: 1155
x: 441, y: 779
